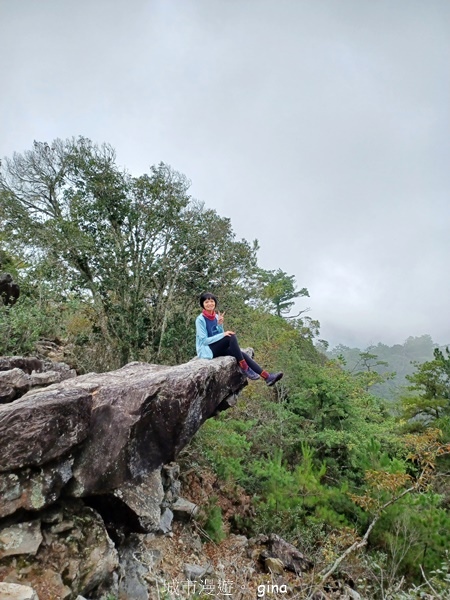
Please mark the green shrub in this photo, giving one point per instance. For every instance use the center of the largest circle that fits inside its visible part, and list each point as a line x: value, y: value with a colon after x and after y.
x: 212, y: 521
x: 23, y: 324
x: 225, y: 446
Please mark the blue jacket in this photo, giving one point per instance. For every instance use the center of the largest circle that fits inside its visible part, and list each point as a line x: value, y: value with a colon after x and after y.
x: 202, y: 340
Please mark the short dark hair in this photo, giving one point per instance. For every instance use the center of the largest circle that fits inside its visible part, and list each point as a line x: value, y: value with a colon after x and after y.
x: 206, y: 296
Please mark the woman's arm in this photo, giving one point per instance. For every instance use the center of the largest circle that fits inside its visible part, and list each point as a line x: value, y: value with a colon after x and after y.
x: 202, y: 332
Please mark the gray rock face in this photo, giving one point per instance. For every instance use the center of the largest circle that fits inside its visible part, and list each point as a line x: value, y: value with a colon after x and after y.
x: 287, y: 555
x: 66, y: 547
x: 162, y: 409
x: 33, y: 489
x: 118, y: 426
x: 144, y: 500
x: 106, y: 433
x: 39, y: 428
x: 14, y: 591
x: 23, y: 538
x: 19, y: 374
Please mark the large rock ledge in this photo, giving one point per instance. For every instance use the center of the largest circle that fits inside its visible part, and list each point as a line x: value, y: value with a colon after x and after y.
x: 85, y: 460
x: 97, y: 433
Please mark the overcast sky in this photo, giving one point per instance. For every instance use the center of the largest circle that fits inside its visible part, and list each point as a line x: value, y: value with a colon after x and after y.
x: 320, y: 127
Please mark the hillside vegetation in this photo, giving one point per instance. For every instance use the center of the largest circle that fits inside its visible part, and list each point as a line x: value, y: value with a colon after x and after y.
x: 389, y: 366
x: 110, y: 268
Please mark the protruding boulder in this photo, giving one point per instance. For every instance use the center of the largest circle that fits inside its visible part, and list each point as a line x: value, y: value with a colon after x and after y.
x: 120, y: 425
x: 103, y: 438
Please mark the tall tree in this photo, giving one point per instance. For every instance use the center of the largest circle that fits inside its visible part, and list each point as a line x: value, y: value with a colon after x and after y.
x: 430, y: 403
x: 278, y: 291
x: 366, y: 369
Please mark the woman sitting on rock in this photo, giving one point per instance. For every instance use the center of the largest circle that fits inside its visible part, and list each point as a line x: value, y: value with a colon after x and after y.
x: 212, y: 341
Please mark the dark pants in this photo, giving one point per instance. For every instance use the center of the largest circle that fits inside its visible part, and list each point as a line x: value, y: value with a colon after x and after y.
x: 229, y: 346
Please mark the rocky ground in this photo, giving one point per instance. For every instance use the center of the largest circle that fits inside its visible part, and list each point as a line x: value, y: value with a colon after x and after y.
x: 188, y: 568
x: 186, y: 563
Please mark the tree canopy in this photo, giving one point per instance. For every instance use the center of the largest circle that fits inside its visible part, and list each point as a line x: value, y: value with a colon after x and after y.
x: 134, y: 248
x: 278, y: 291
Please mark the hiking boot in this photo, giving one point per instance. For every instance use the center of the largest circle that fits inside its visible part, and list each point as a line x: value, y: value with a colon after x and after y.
x: 273, y: 378
x: 249, y: 373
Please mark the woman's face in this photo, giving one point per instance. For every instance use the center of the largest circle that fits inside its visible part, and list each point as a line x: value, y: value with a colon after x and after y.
x: 209, y: 304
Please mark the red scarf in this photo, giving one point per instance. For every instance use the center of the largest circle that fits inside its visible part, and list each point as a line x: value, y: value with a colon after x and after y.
x: 208, y: 316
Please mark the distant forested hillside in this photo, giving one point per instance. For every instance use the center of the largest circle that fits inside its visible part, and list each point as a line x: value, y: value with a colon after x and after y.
x: 399, y: 360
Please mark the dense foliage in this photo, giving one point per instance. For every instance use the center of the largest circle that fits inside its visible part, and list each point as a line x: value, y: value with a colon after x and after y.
x: 325, y: 460
x: 129, y: 254
x: 111, y: 266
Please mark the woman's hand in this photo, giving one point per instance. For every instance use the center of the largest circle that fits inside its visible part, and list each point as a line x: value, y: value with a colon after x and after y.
x: 220, y: 317
x: 229, y: 333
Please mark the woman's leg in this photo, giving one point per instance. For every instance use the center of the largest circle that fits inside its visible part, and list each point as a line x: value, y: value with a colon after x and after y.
x: 252, y: 364
x: 227, y: 346
x: 270, y: 378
